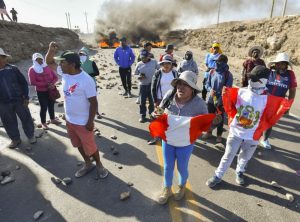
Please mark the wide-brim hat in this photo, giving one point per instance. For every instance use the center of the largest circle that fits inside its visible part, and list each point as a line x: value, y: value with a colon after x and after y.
x: 189, y: 77
x: 2, y: 53
x: 256, y: 47
x: 281, y: 57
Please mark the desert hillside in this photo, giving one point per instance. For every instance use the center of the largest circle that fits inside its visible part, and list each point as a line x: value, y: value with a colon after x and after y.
x: 22, y: 40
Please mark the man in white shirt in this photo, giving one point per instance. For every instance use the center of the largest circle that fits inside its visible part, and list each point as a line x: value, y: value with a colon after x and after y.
x: 80, y: 108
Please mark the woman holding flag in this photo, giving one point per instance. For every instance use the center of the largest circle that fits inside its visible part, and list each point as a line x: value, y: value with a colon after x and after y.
x: 179, y: 126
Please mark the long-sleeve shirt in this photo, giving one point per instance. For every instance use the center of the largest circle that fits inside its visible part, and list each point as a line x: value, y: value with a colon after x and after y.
x: 148, y: 69
x: 13, y: 85
x: 216, y: 81
x: 187, y: 65
x: 42, y: 80
x: 124, y: 57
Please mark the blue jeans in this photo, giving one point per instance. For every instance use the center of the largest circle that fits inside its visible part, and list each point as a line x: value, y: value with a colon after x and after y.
x: 145, y: 92
x: 182, y: 156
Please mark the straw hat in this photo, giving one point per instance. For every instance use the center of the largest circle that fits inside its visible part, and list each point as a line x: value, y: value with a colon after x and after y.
x: 256, y: 47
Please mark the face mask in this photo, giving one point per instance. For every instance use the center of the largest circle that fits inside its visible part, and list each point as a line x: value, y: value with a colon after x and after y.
x: 221, y: 67
x: 258, y: 87
x: 83, y: 58
x: 188, y: 56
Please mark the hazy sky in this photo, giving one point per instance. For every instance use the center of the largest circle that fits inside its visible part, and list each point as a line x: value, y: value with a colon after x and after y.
x: 52, y: 13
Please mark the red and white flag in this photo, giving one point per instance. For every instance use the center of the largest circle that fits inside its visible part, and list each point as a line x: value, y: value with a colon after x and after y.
x: 249, y: 114
x: 180, y: 130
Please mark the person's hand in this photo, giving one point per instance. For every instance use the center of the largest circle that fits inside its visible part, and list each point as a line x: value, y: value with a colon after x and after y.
x: 25, y: 102
x: 157, y: 112
x: 212, y: 93
x: 51, y: 86
x: 90, y: 125
x: 224, y: 90
x: 53, y: 46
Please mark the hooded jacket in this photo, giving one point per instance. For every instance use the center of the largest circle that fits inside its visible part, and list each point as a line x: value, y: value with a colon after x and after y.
x: 89, y: 66
x: 124, y: 57
x: 188, y: 65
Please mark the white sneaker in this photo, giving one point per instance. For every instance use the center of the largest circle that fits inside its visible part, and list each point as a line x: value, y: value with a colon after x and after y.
x: 265, y: 144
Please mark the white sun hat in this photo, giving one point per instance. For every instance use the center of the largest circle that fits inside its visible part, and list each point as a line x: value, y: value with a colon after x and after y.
x: 281, y: 57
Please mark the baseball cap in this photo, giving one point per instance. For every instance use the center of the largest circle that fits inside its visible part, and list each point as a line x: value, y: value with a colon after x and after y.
x: 259, y: 72
x: 69, y: 56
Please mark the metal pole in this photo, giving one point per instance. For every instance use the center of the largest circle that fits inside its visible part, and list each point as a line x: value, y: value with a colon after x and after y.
x: 67, y: 20
x: 87, y: 25
x: 219, y: 10
x: 284, y: 8
x: 272, y: 9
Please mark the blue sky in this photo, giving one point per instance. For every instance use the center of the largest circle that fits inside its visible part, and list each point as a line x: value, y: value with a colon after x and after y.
x: 52, y: 13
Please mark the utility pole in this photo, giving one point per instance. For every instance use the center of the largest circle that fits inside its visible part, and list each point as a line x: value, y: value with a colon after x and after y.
x: 272, y: 8
x: 67, y: 20
x: 87, y: 24
x: 284, y: 8
x: 219, y: 10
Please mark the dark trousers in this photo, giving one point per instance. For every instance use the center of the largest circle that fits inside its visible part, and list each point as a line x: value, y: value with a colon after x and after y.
x: 267, y: 134
x: 9, y: 113
x: 145, y: 93
x: 204, y: 91
x: 15, y: 19
x: 46, y: 104
x: 212, y: 109
x: 125, y: 74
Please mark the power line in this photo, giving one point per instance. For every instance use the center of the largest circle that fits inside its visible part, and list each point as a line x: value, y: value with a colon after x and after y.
x: 87, y: 24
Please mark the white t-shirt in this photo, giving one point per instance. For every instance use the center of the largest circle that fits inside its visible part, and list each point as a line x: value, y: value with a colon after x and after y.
x: 165, y: 84
x: 77, y: 90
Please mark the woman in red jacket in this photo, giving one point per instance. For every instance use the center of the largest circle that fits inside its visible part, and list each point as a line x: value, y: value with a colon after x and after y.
x: 43, y: 78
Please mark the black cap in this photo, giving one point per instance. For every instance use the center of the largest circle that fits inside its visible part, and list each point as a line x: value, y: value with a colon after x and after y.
x: 169, y: 47
x: 222, y: 58
x: 147, y: 44
x: 69, y: 56
x: 259, y: 72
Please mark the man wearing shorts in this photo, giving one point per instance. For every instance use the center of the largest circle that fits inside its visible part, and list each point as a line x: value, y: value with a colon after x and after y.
x: 3, y: 10
x: 80, y: 109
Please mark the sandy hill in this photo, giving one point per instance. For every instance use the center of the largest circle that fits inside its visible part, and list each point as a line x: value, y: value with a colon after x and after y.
x: 277, y: 34
x: 22, y: 40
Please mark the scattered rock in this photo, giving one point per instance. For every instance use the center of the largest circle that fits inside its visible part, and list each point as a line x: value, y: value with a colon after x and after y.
x: 120, y: 93
x: 37, y: 103
x: 39, y: 126
x: 130, y: 184
x: 112, y: 147
x: 259, y: 204
x: 7, y: 179
x: 124, y: 195
x: 60, y: 104
x: 56, y: 180
x: 38, y: 214
x: 289, y: 197
x: 63, y: 117
x: 67, y: 180
x: 39, y: 134
x: 120, y: 167
x: 113, y: 137
x: 134, y: 87
x: 275, y: 184
x: 220, y: 146
x: 79, y: 163
x: 103, y: 114
x: 17, y: 167
x: 259, y: 153
x: 96, y: 130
